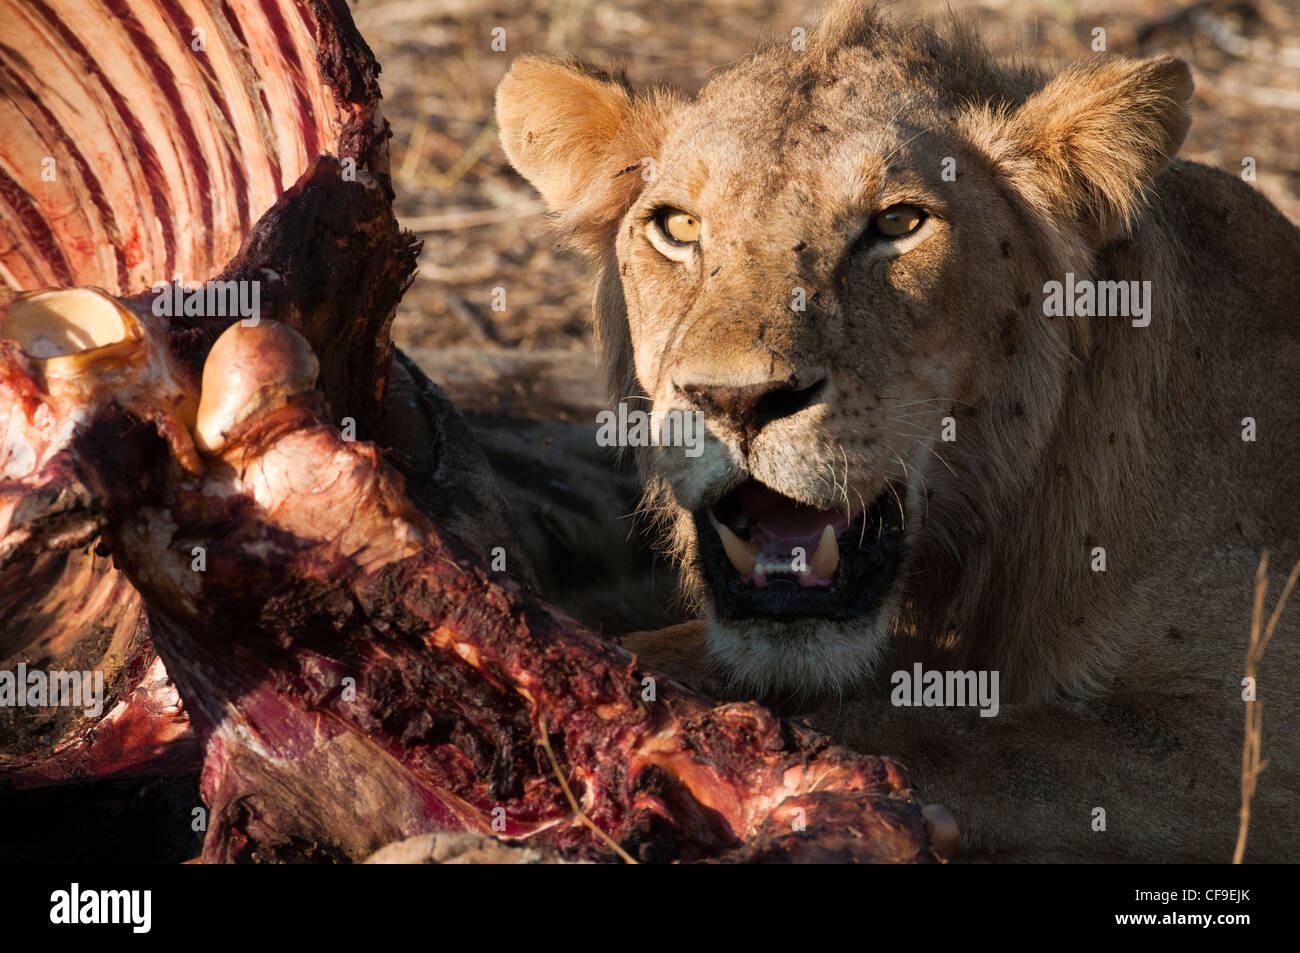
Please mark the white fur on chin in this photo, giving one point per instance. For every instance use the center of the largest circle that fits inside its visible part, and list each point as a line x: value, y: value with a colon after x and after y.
x: 800, y: 657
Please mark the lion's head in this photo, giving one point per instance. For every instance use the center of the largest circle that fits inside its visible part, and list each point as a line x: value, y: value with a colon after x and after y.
x: 836, y: 255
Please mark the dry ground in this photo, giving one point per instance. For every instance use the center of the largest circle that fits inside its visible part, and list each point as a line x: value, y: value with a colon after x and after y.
x: 484, y: 229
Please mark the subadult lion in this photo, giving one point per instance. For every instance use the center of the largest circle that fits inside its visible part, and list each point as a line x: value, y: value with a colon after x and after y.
x: 842, y: 257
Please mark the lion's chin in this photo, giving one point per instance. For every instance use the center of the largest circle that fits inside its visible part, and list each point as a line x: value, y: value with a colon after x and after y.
x: 795, y: 666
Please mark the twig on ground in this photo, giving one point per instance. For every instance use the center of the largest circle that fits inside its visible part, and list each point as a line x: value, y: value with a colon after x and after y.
x: 573, y: 802
x: 1251, y: 763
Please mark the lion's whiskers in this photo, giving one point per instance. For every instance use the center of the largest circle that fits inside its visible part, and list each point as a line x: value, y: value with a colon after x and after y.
x: 899, y: 148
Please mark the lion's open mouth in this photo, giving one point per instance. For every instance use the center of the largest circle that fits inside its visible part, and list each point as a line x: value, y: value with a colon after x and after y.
x: 767, y: 555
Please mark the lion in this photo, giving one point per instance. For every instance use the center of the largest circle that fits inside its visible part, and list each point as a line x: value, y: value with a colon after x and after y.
x: 994, y: 385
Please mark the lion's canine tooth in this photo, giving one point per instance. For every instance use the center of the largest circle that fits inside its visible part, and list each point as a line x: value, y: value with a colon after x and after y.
x: 827, y: 556
x: 743, y: 555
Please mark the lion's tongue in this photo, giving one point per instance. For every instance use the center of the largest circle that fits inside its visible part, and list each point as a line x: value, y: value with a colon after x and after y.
x: 784, y: 537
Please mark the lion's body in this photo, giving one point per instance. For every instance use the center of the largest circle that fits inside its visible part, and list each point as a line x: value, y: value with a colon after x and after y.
x: 1085, y: 500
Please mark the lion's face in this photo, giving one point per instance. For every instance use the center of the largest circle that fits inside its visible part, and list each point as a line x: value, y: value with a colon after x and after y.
x: 837, y: 261
x: 798, y: 272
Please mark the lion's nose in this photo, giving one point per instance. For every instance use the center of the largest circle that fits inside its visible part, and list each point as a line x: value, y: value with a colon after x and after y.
x: 748, y: 408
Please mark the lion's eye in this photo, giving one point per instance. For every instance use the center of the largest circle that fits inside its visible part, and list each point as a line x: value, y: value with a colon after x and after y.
x: 897, y: 221
x: 681, y: 227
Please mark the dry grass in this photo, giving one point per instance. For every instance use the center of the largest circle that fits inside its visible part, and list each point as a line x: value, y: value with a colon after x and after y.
x: 573, y: 801
x: 1251, y: 762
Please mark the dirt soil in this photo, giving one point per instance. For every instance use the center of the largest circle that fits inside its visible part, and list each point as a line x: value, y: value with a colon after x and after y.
x: 484, y: 228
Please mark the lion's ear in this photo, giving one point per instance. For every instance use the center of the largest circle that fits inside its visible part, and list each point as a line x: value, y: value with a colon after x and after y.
x: 1084, y: 148
x: 581, y: 136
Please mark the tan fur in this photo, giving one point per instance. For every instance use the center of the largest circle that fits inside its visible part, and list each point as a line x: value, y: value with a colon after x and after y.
x: 582, y: 124
x: 1120, y: 689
